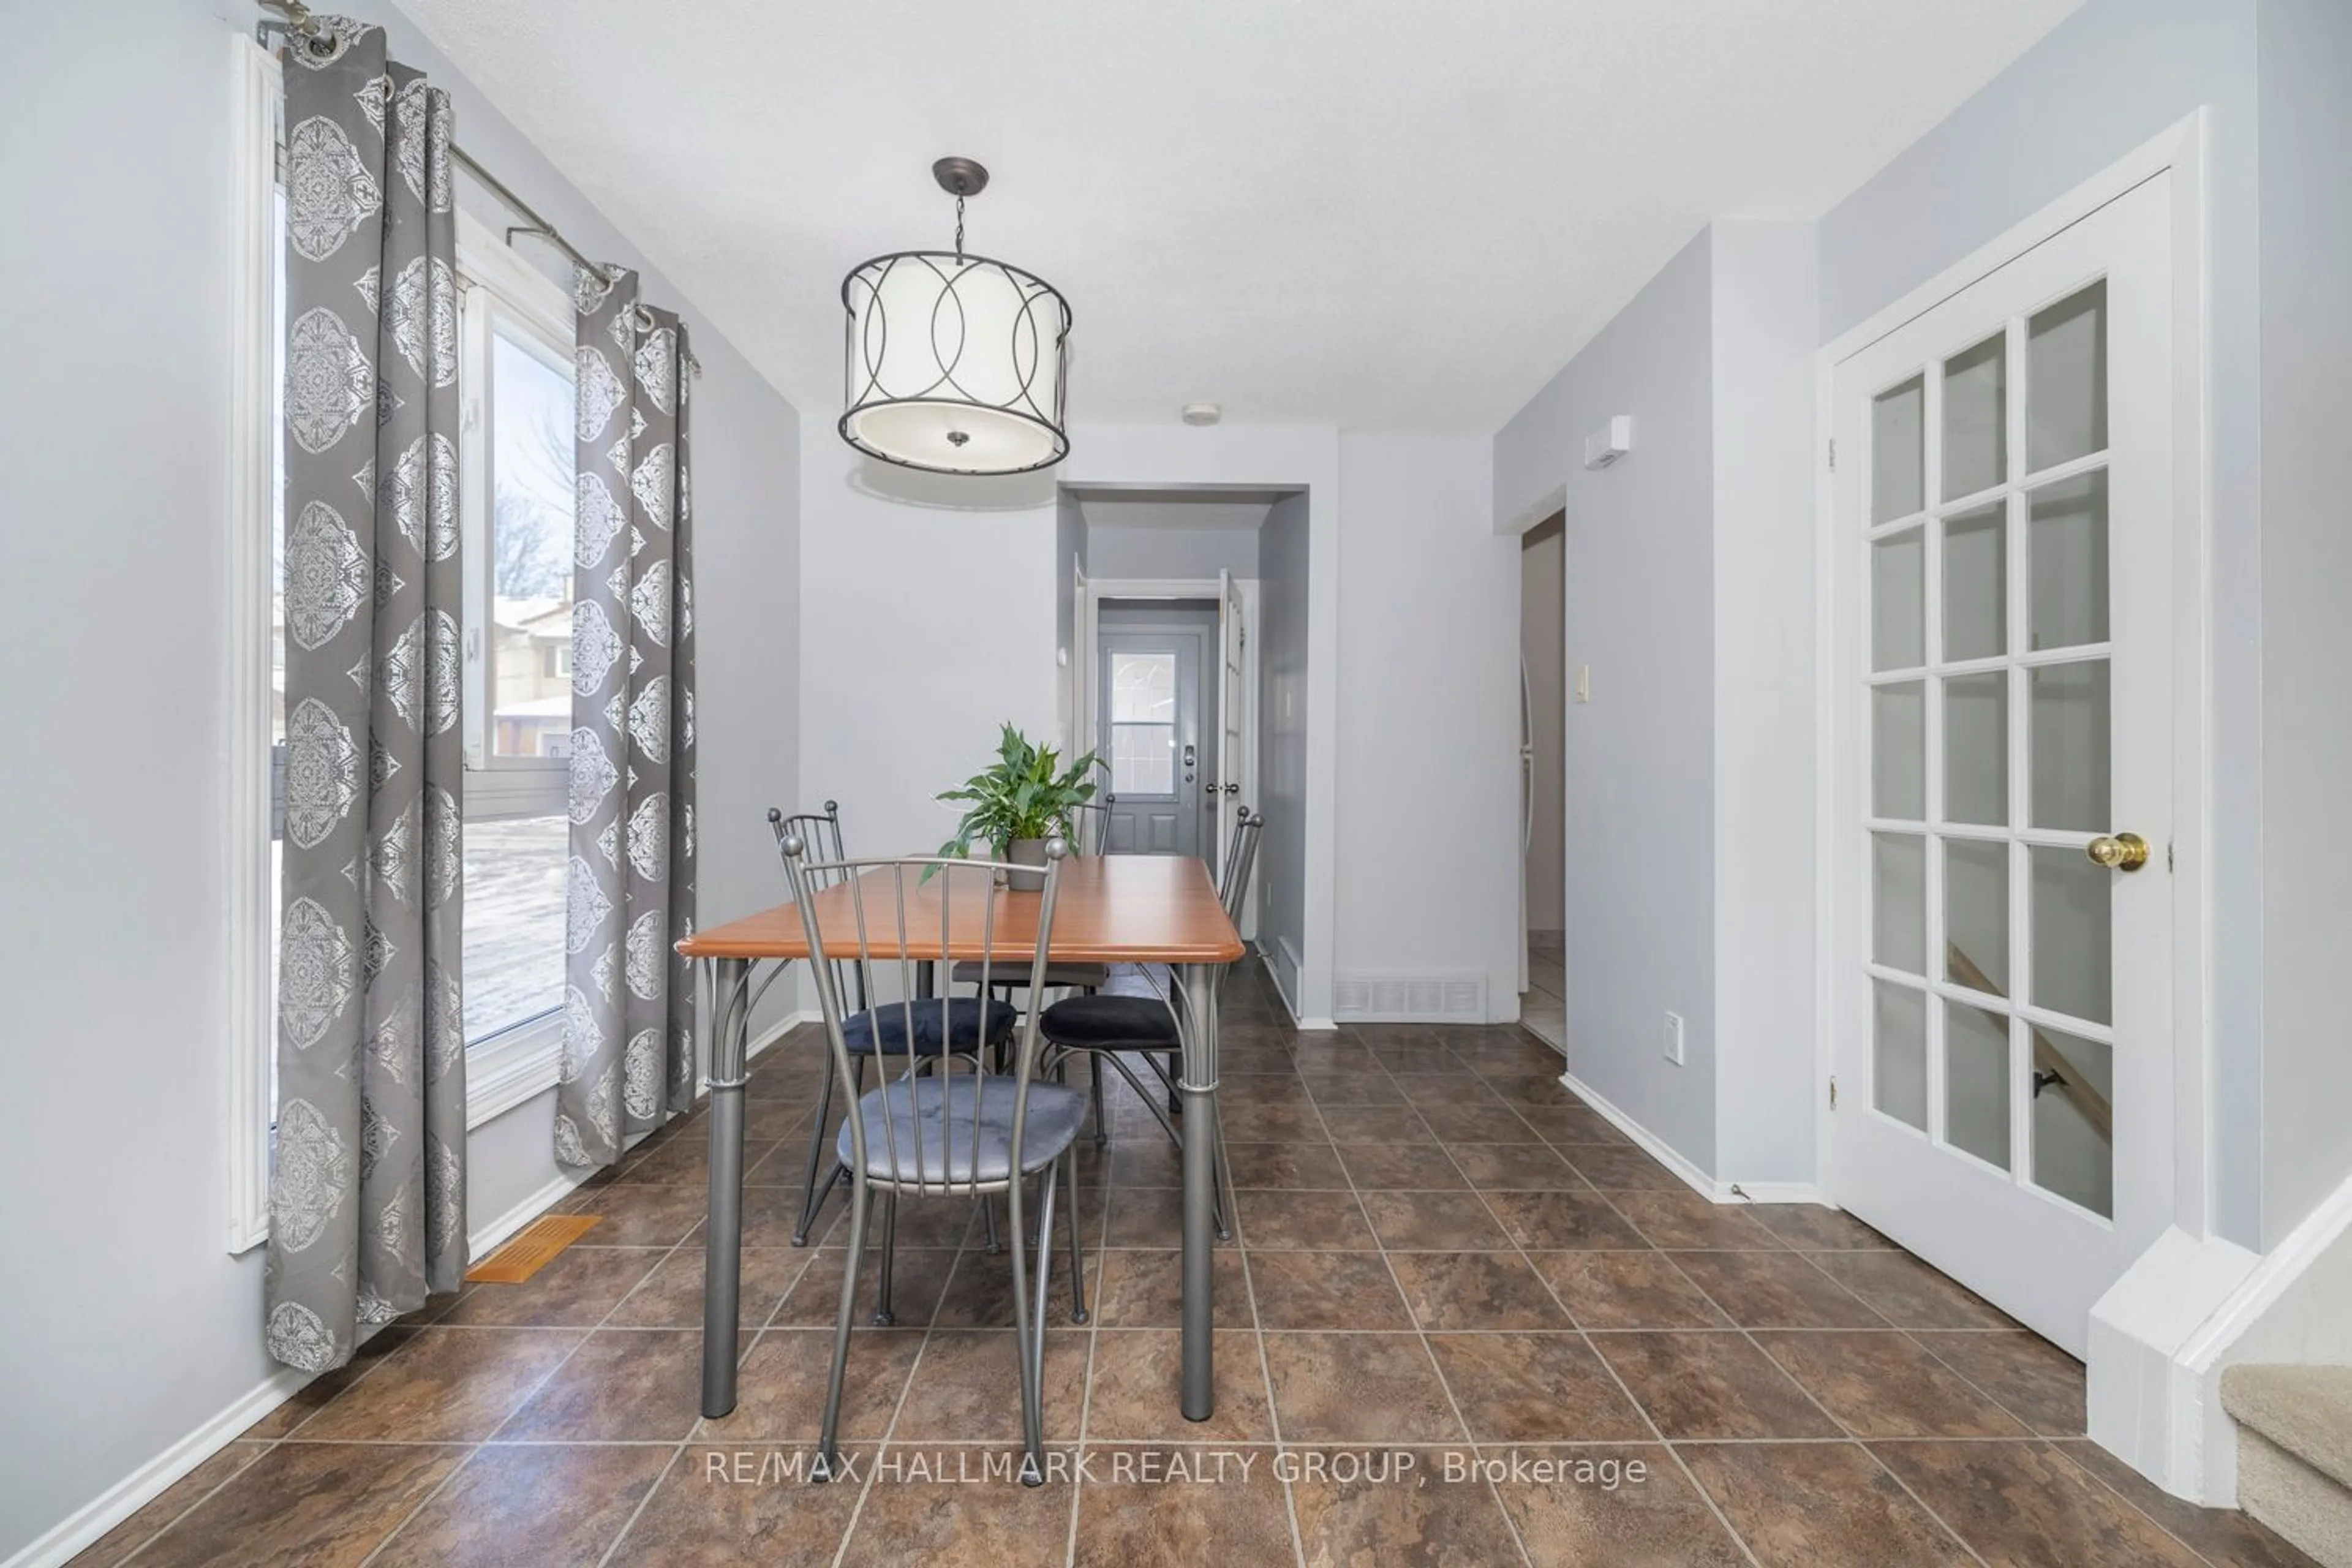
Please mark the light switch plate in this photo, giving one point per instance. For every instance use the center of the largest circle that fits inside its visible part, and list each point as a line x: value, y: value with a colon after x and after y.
x: 1675, y: 1038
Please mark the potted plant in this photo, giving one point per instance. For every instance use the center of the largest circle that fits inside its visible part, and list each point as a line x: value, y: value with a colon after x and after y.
x: 1014, y: 805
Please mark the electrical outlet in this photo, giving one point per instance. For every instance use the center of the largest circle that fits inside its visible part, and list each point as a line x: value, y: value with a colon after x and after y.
x: 1675, y: 1038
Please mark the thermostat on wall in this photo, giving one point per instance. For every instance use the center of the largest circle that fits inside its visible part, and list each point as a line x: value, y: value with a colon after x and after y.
x: 1609, y: 443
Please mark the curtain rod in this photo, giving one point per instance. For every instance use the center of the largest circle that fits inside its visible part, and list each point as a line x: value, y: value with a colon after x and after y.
x: 297, y: 21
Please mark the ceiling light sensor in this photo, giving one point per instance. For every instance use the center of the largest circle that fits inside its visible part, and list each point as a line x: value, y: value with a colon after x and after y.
x: 1203, y: 413
x: 972, y: 379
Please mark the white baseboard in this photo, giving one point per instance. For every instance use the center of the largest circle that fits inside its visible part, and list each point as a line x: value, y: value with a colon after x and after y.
x: 1698, y: 1181
x: 149, y: 1481
x: 492, y: 1235
x: 1435, y: 998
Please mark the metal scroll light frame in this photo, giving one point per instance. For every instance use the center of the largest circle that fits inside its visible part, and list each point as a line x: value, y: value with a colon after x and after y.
x: 862, y: 374
x: 303, y: 29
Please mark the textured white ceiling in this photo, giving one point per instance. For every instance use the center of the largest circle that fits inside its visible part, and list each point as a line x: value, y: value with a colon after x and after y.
x: 1361, y: 212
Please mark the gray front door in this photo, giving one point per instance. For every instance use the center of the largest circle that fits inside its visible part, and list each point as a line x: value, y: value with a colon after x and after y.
x: 1162, y: 755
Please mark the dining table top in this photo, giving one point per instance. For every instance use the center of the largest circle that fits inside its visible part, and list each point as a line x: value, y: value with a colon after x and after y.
x: 1109, y: 908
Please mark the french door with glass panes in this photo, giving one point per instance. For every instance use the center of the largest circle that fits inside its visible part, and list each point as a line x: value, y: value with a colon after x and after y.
x: 2002, y: 1036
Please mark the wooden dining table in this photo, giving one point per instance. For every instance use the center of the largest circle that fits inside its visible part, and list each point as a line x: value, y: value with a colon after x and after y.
x: 1109, y: 908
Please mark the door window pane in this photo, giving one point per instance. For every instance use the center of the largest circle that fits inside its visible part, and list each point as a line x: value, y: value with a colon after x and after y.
x: 1976, y: 914
x: 531, y: 490
x: 2072, y: 939
x: 2066, y: 379
x: 1142, y: 759
x: 1976, y: 1082
x: 1898, y: 746
x: 1898, y: 578
x: 1143, y: 722
x: 2066, y: 598
x: 514, y: 952
x: 1897, y: 453
x: 1976, y: 584
x: 1899, y: 901
x: 2073, y: 1122
x: 2068, y: 705
x: 1975, y: 417
x: 1899, y: 1052
x: 1975, y: 748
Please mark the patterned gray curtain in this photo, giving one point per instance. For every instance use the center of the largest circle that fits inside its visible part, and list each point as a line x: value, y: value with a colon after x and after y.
x: 367, y: 1196
x: 629, y: 999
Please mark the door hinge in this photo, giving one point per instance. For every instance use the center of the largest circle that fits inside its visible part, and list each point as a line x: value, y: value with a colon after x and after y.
x: 1834, y: 454
x: 1832, y: 1091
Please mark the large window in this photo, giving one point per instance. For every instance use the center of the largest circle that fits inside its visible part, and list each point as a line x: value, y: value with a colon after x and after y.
x: 515, y: 377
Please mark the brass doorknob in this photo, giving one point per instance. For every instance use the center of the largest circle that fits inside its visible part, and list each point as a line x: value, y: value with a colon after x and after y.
x: 2118, y: 851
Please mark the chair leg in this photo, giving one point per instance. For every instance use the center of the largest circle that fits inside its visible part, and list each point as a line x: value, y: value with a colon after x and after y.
x: 828, y: 1445
x: 1033, y: 1428
x: 812, y: 1196
x: 1175, y: 1075
x: 1102, y: 1130
x: 882, y: 1316
x: 1077, y: 1251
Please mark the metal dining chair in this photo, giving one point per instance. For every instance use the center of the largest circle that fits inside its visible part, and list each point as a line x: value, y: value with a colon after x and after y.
x: 822, y: 835
x: 1109, y: 1028
x: 938, y: 1125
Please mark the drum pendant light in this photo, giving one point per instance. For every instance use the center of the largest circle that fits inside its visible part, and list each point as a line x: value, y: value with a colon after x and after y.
x: 954, y: 361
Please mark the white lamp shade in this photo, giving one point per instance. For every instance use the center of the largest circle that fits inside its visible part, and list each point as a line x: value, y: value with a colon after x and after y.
x: 954, y: 364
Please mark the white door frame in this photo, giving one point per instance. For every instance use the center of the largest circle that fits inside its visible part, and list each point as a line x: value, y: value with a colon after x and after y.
x: 1099, y: 589
x: 2180, y: 152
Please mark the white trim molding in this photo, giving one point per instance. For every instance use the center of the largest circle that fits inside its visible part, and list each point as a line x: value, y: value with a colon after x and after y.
x: 255, y: 98
x: 1673, y: 1159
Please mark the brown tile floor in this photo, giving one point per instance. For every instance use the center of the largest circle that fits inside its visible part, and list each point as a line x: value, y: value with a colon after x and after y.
x: 1464, y: 1322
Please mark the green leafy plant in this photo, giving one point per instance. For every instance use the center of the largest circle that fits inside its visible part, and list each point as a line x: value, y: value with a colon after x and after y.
x: 1026, y: 794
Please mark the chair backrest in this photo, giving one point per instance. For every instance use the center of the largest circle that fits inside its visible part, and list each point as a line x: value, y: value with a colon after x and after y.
x: 821, y: 832
x: 1090, y: 827
x: 1241, y: 855
x: 869, y: 917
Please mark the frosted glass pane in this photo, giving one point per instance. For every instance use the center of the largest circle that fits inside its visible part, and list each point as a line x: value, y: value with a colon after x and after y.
x: 1143, y: 759
x: 2066, y: 598
x: 1898, y: 751
x: 1976, y: 914
x: 2070, y: 1157
x: 1976, y: 749
x: 1975, y: 417
x: 1898, y: 895
x: 2066, y: 379
x: 1898, y: 461
x: 2072, y: 938
x: 1976, y: 1082
x: 1898, y: 579
x: 1899, y: 1052
x: 1976, y: 584
x: 2068, y: 705
x: 1143, y: 687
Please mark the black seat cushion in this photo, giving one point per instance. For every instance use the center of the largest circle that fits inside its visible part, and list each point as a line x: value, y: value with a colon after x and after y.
x: 963, y: 1025
x: 967, y: 972
x: 930, y: 1131
x: 1128, y: 1023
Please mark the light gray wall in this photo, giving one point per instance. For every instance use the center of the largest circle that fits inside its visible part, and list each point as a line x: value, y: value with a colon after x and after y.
x: 1765, y: 774
x: 1640, y: 754
x: 1170, y: 552
x: 114, y: 167
x: 2306, y: 60
x: 1281, y: 731
x: 1429, y: 797
x: 1545, y: 657
x: 1070, y: 552
x: 2109, y: 78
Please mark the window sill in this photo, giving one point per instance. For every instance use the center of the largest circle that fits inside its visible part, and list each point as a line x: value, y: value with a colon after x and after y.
x: 511, y: 1067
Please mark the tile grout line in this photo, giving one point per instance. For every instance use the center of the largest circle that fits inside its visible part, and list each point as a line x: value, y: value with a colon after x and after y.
x: 532, y: 1392
x: 1747, y: 1334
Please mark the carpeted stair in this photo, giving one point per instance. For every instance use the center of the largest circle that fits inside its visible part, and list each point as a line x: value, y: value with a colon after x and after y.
x: 2295, y: 1453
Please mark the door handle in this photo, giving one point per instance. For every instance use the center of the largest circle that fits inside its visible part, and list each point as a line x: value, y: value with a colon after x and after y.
x: 2118, y: 851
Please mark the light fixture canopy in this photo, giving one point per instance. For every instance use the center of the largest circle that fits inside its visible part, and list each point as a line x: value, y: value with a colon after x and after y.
x: 954, y: 362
